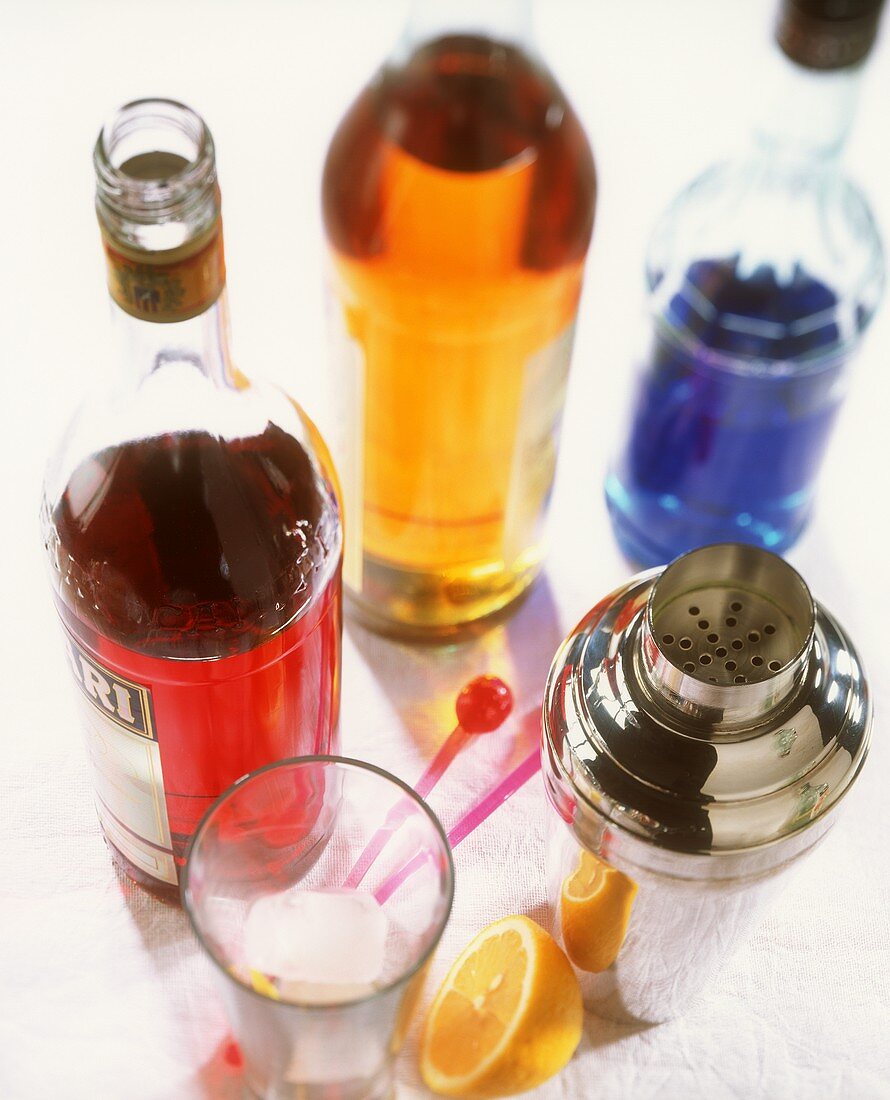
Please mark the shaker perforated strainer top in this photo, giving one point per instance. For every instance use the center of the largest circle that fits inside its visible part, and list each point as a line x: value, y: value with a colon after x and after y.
x: 727, y: 615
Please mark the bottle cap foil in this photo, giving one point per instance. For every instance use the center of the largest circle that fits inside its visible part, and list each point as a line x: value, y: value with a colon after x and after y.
x: 828, y: 34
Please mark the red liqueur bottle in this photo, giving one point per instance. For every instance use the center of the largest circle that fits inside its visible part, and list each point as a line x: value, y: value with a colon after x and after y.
x: 191, y: 521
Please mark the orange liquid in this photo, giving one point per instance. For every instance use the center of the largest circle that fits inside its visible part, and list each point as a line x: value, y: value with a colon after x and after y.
x: 458, y: 200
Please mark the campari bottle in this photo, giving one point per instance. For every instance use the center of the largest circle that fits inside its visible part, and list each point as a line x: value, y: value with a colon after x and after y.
x: 458, y: 201
x: 191, y: 521
x: 763, y: 276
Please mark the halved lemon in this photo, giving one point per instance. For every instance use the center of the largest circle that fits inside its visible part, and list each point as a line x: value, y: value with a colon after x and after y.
x: 595, y: 910
x: 507, y: 1016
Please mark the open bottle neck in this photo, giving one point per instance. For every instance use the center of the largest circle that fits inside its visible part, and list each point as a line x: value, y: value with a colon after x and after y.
x: 158, y: 205
x: 806, y: 114
x: 200, y: 343
x: 508, y: 21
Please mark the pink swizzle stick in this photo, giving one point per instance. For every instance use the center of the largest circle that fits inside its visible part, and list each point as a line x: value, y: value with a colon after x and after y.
x: 482, y: 706
x: 483, y: 809
x: 471, y: 820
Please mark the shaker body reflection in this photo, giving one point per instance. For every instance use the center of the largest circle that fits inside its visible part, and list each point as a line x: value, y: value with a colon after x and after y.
x: 458, y: 201
x: 191, y: 522
x: 700, y: 726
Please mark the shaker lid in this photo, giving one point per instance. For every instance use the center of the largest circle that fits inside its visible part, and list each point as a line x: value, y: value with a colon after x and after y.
x: 711, y: 706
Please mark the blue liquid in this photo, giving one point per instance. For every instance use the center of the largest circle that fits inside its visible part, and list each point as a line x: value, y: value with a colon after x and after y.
x: 732, y: 417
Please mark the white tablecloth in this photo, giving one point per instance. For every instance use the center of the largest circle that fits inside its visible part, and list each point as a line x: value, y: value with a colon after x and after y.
x: 103, y: 993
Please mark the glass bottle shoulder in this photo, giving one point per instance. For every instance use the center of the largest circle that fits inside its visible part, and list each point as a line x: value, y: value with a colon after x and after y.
x: 187, y: 518
x: 790, y: 247
x: 462, y: 112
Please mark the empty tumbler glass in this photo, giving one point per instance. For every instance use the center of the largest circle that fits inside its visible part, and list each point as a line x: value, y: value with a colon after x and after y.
x: 320, y: 887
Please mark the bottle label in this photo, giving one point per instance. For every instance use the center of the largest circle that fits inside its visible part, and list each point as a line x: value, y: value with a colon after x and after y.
x: 346, y: 434
x: 464, y: 449
x: 119, y: 722
x: 173, y: 285
x: 537, y: 442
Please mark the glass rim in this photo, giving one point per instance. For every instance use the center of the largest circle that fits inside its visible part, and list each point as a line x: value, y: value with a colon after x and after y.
x: 348, y: 762
x: 151, y: 201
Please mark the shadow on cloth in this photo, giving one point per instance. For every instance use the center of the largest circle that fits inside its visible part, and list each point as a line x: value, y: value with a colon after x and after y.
x: 423, y: 681
x: 186, y: 975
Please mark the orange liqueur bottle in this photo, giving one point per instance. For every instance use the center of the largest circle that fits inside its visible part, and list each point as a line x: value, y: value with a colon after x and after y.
x: 458, y: 201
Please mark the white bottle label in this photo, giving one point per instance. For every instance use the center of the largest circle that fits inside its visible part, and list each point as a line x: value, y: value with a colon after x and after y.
x: 347, y: 435
x: 537, y: 442
x: 125, y: 760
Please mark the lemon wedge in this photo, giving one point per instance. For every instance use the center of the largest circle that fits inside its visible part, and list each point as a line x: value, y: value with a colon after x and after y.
x: 595, y: 909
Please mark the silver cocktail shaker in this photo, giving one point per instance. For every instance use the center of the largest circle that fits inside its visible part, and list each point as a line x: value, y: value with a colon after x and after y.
x: 700, y: 726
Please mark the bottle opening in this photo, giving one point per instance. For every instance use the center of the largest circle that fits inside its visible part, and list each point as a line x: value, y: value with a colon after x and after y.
x: 154, y: 158
x: 158, y: 165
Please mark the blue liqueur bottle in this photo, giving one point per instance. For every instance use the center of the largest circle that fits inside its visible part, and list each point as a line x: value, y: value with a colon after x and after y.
x: 762, y: 276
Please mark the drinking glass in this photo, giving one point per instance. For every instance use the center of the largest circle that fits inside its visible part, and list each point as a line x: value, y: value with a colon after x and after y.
x: 319, y: 886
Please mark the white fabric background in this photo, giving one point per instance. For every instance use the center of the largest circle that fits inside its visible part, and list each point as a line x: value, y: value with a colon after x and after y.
x: 103, y: 994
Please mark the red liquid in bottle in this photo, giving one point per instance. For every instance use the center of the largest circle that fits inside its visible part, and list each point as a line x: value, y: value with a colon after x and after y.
x: 199, y: 581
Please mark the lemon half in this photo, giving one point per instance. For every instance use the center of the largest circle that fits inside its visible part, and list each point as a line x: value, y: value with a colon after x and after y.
x: 507, y: 1016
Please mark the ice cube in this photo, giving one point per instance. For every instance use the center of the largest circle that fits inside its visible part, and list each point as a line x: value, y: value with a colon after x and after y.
x: 317, y: 936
